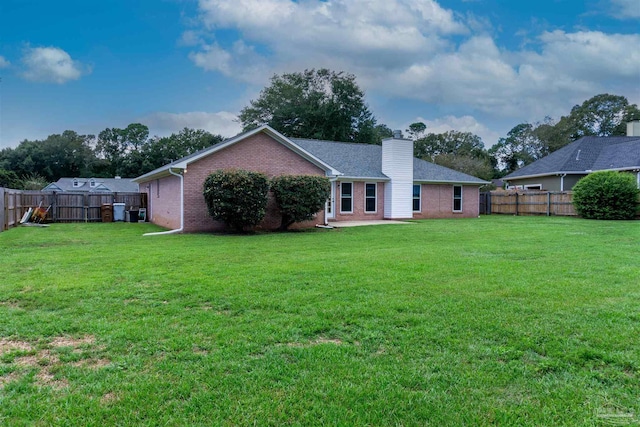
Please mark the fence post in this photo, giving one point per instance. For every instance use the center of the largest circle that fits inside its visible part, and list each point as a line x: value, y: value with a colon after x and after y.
x: 488, y: 206
x: 548, y: 203
x: 54, y: 206
x: 516, y: 203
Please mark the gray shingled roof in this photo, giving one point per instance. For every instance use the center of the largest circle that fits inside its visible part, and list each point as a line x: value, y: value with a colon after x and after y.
x: 430, y: 172
x: 589, y: 153
x: 353, y: 160
x: 360, y: 161
x: 113, y: 185
x: 365, y: 161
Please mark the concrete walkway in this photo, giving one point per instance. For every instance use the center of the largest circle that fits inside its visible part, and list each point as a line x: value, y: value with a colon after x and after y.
x: 342, y: 224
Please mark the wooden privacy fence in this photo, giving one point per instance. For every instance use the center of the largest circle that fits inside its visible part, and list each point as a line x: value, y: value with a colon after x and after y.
x: 529, y: 203
x: 65, y: 207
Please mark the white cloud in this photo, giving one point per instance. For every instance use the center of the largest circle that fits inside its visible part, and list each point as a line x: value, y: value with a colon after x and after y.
x: 51, y: 65
x: 416, y: 49
x: 163, y: 123
x: 461, y: 124
x: 626, y: 9
x: 369, y: 33
x: 3, y: 62
x: 531, y: 84
x: 240, y: 62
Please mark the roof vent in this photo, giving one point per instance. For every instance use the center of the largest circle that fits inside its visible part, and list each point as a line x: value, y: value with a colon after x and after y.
x: 117, y: 177
x: 397, y: 134
x: 578, y: 155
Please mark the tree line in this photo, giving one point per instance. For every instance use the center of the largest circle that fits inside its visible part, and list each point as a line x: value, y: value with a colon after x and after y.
x: 317, y: 104
x: 127, y: 152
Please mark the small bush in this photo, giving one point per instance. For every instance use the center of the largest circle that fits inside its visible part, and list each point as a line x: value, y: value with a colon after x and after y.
x: 236, y: 197
x: 606, y: 195
x: 300, y: 197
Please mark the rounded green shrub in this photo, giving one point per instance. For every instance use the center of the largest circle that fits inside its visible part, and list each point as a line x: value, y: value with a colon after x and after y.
x: 606, y: 195
x: 236, y: 197
x: 300, y: 197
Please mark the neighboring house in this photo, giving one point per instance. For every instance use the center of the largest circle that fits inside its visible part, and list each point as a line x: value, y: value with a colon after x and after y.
x: 368, y: 182
x: 93, y: 185
x: 562, y: 169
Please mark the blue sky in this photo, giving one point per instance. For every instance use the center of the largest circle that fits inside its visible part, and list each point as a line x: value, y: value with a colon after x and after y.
x: 481, y: 66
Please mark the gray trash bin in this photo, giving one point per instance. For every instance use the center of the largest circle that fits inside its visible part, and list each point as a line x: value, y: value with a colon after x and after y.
x: 118, y: 211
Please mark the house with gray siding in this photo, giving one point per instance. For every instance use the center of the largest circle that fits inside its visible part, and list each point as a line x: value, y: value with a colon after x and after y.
x: 93, y: 185
x: 562, y: 169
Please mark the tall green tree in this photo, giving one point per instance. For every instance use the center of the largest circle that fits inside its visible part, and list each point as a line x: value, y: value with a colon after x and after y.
x: 160, y: 151
x: 319, y: 104
x: 121, y: 149
x: 461, y: 151
x: 59, y: 155
x: 450, y: 142
x: 519, y: 148
x: 416, y: 130
x: 480, y: 167
x: 602, y: 115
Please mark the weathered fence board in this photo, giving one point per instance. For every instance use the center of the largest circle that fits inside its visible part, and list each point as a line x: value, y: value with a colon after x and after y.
x: 64, y: 207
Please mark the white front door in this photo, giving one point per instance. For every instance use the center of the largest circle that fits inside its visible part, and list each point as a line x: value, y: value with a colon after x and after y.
x: 331, y: 203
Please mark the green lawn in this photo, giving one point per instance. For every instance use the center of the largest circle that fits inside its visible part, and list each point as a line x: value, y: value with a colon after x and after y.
x: 528, y: 321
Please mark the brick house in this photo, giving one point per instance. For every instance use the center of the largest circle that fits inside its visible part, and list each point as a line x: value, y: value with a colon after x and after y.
x: 367, y: 181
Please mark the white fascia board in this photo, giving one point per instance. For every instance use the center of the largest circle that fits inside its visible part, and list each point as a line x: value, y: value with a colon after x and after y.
x: 155, y: 174
x: 540, y: 175
x: 422, y: 181
x: 52, y: 187
x: 363, y: 178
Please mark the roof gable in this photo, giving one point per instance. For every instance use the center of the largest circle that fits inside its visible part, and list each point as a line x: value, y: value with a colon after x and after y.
x: 185, y: 161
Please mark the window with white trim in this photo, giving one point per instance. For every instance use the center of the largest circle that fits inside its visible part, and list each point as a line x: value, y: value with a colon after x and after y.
x: 416, y: 197
x: 76, y: 183
x: 92, y: 183
x: 370, y: 199
x: 346, y: 197
x: 457, y: 198
x: 533, y: 187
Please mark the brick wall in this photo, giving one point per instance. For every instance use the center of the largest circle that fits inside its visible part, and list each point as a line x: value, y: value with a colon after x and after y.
x: 258, y: 153
x: 358, y: 203
x: 164, y: 201
x: 437, y: 202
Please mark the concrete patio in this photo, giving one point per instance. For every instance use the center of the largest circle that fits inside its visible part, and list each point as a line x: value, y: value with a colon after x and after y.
x: 342, y: 224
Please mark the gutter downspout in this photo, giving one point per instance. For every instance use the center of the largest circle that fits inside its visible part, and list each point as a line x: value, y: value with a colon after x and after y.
x: 177, y: 230
x: 562, y: 181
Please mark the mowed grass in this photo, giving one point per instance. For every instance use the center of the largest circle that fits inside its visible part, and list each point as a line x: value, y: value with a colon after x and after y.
x: 500, y: 320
